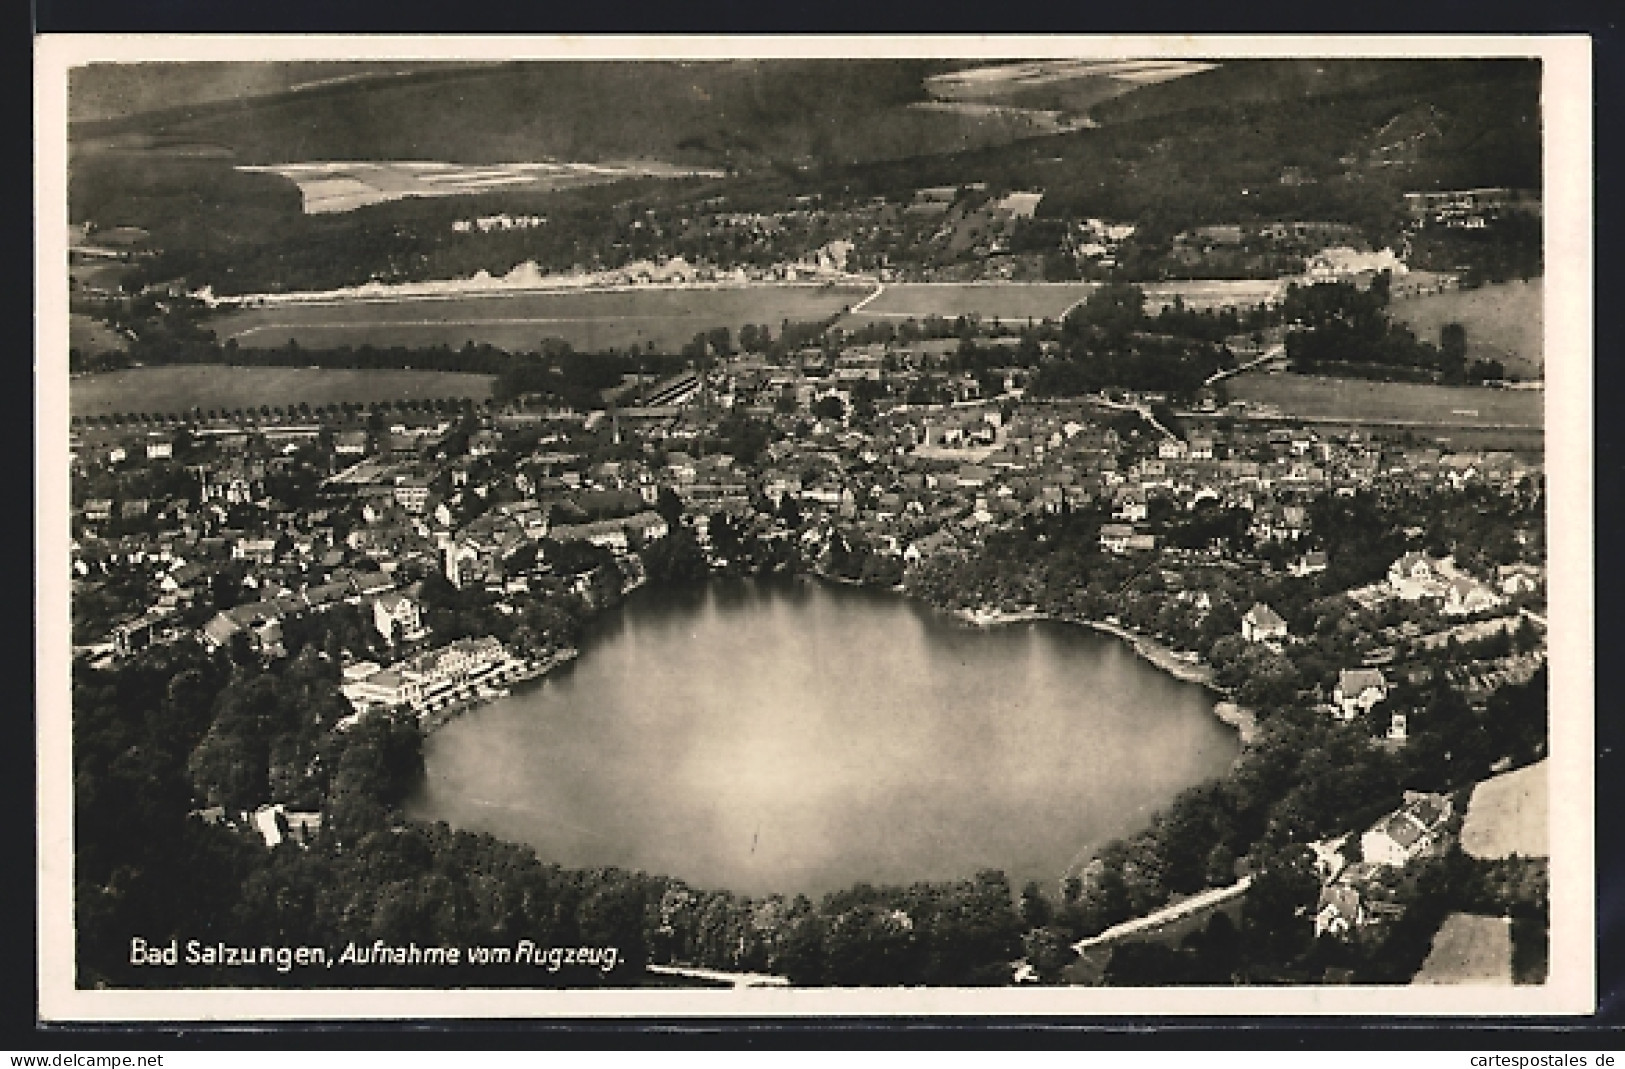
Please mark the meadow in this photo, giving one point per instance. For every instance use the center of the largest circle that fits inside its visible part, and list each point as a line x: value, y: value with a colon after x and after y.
x: 1507, y: 815
x: 1469, y: 950
x: 214, y: 386
x: 1503, y: 321
x: 341, y: 186
x: 665, y: 318
x: 1312, y: 397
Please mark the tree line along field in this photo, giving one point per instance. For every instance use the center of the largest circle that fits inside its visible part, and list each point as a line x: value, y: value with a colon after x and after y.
x: 1008, y: 301
x: 212, y: 386
x: 1503, y: 322
x: 590, y: 321
x: 1016, y: 302
x: 1312, y: 397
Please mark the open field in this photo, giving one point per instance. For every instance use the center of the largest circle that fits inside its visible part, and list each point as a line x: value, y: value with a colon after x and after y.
x: 215, y: 386
x: 1356, y: 401
x: 1469, y: 950
x: 91, y: 335
x: 1019, y: 301
x: 98, y: 274
x: 590, y: 320
x: 1503, y: 321
x: 1071, y: 84
x: 1202, y: 294
x: 343, y: 186
x: 1507, y: 815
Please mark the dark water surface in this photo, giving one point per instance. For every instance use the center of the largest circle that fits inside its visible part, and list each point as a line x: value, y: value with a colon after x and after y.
x: 798, y: 737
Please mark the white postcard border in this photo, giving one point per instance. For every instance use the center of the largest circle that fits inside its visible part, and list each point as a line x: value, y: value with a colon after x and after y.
x: 1571, y: 989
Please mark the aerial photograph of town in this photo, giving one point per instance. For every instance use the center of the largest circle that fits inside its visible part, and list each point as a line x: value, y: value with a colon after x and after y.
x: 807, y: 523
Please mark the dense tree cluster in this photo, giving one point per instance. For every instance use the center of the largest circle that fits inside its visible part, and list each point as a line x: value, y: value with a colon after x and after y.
x: 1109, y: 342
x: 1507, y: 248
x: 1339, y: 329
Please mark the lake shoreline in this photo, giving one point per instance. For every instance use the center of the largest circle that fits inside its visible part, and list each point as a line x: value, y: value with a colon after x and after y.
x: 1160, y: 656
x: 1090, y: 662
x: 1155, y: 653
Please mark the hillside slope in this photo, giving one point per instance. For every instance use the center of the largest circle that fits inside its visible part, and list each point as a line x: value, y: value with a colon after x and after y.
x: 723, y: 113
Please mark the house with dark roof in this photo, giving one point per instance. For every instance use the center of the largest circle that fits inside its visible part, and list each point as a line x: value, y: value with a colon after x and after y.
x: 1115, y: 537
x: 1358, y: 690
x: 261, y: 621
x: 1262, y: 622
x: 1310, y: 563
x: 370, y: 584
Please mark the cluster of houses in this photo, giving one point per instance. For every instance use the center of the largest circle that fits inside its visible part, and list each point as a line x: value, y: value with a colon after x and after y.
x: 485, y: 508
x: 920, y: 481
x: 1416, y: 576
x: 1360, y: 690
x: 1351, y: 868
x: 261, y: 621
x: 1469, y: 209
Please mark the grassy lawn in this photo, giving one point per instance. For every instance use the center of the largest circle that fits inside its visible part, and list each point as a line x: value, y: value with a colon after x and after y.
x: 591, y: 321
x: 1503, y: 322
x: 1507, y: 815
x: 1316, y: 397
x: 1019, y: 301
x: 212, y: 386
x: 1469, y: 950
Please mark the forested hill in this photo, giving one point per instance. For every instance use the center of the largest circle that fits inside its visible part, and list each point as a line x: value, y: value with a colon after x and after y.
x: 113, y: 91
x: 1267, y: 139
x: 720, y: 113
x: 1263, y: 82
x: 1337, y: 140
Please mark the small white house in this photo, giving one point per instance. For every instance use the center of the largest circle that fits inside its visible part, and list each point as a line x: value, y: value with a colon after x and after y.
x: 397, y: 617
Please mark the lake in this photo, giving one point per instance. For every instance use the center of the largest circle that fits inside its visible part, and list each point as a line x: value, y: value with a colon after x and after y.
x: 792, y: 736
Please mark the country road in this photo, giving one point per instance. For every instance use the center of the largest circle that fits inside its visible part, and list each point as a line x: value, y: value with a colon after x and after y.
x: 1271, y: 353
x: 880, y: 287
x: 1144, y: 411
x: 1166, y: 914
